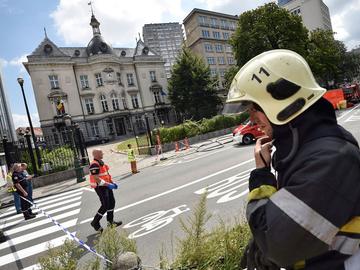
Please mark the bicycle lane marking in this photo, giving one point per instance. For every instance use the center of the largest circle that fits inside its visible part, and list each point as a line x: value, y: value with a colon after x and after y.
x: 346, y: 113
x: 174, y: 189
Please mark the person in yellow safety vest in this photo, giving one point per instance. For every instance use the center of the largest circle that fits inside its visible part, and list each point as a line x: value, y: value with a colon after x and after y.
x: 101, y: 181
x: 132, y: 159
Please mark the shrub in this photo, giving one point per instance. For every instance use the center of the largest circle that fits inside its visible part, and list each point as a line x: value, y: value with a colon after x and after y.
x: 64, y: 257
x: 191, y: 128
x: 221, y: 248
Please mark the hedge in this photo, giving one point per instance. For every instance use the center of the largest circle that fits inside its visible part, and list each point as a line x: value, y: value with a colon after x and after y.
x: 192, y: 128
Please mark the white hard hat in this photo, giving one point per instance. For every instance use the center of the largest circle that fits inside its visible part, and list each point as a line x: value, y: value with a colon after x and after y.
x: 279, y: 81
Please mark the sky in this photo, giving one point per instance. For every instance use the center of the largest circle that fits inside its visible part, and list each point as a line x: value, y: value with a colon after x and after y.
x: 67, y: 25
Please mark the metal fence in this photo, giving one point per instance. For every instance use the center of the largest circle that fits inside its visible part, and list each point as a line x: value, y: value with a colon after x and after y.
x: 59, y: 152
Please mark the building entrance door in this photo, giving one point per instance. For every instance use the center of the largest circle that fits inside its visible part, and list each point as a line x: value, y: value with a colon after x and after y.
x: 120, y: 126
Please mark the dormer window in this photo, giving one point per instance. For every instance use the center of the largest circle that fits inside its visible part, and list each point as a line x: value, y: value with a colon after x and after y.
x: 54, y: 81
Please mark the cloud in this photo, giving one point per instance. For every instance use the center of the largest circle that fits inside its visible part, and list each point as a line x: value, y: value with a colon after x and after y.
x: 3, y: 63
x: 21, y: 120
x: 18, y: 62
x: 120, y: 22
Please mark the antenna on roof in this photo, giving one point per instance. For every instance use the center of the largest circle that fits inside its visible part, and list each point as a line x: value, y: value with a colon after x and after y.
x: 92, y: 11
x: 45, y: 32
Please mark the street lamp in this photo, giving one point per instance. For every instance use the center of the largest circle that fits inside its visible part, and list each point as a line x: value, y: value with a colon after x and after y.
x: 21, y: 82
x: 78, y: 170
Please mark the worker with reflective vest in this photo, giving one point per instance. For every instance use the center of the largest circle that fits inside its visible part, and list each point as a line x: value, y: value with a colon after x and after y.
x: 132, y: 159
x: 101, y: 181
x: 307, y: 214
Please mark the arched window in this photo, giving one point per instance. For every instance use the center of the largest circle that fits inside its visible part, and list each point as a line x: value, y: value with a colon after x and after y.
x: 104, y: 103
x: 115, y: 102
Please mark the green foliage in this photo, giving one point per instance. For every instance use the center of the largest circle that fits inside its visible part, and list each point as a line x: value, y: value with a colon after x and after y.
x: 221, y: 248
x: 192, y: 91
x: 229, y: 76
x: 64, y: 257
x: 325, y: 55
x: 192, y: 128
x: 350, y: 67
x: 266, y: 28
x: 111, y: 244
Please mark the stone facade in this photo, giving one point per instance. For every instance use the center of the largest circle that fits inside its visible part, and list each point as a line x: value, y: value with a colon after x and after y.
x: 109, y: 92
x: 207, y: 35
x: 166, y: 39
x: 314, y: 13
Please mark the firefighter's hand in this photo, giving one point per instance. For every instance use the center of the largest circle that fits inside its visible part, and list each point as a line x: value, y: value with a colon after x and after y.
x: 262, y: 152
x: 25, y: 194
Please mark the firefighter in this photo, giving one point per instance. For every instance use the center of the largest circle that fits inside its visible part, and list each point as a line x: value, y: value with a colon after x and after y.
x: 101, y: 181
x: 21, y: 185
x: 308, y: 216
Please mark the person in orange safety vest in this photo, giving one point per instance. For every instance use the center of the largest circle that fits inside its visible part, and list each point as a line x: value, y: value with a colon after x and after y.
x: 101, y: 181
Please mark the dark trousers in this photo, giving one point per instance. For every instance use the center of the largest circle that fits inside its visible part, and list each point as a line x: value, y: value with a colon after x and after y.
x: 107, y: 200
x: 25, y: 205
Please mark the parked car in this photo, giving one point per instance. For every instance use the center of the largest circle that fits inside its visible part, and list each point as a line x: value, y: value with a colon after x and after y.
x: 96, y: 140
x: 247, y: 133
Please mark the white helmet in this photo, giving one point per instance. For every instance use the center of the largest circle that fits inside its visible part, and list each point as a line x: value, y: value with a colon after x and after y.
x: 279, y: 81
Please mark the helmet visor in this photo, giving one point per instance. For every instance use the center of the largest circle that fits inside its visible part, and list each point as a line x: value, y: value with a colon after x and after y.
x: 237, y: 107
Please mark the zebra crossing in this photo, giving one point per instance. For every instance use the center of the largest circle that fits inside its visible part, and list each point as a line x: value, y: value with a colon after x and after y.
x: 28, y: 240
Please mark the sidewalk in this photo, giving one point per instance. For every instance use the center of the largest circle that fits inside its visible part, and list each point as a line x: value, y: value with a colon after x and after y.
x: 119, y: 166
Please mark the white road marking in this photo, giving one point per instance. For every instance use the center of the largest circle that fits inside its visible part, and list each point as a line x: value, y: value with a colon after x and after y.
x: 176, y: 189
x: 41, y: 204
x: 31, y: 236
x: 342, y: 116
x: 33, y: 267
x: 5, y: 225
x: 42, y: 222
x: 30, y: 251
x: 45, y: 208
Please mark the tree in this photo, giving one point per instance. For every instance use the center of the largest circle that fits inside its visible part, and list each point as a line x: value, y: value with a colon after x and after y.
x: 192, y: 91
x: 266, y: 28
x: 325, y: 56
x: 229, y: 76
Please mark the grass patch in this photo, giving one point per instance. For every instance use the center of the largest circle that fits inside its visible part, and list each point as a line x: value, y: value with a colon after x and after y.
x: 142, y: 141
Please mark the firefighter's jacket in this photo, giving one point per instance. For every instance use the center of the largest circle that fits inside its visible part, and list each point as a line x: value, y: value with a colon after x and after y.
x: 309, y: 216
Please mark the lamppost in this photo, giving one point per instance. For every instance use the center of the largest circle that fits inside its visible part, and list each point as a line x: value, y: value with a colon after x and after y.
x: 78, y: 170
x: 148, y: 128
x: 38, y: 156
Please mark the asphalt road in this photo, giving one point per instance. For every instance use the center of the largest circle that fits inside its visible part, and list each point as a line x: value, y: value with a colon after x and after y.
x: 150, y: 204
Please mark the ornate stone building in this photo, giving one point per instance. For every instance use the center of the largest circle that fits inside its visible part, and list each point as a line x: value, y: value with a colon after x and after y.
x: 108, y: 91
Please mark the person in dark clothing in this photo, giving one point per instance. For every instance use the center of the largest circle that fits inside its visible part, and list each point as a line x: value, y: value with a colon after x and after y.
x: 20, y: 183
x: 101, y: 181
x: 308, y: 216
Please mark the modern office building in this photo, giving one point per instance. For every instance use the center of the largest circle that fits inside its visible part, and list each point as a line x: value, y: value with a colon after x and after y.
x: 7, y: 127
x: 109, y: 92
x: 314, y: 13
x: 166, y: 39
x: 207, y: 35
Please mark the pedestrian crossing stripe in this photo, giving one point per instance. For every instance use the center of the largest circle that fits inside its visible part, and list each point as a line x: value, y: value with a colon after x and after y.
x: 33, y: 250
x: 77, y: 204
x: 52, y: 205
x: 42, y: 222
x: 36, y: 234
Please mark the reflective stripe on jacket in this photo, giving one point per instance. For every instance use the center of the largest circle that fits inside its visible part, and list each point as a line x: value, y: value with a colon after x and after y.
x: 103, y: 174
x: 313, y: 219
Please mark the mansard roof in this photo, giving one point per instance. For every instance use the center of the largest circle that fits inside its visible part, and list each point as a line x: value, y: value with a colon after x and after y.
x: 47, y: 48
x: 142, y: 49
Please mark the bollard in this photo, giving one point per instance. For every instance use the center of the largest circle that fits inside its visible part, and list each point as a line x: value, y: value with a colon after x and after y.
x: 176, y: 147
x: 186, y: 142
